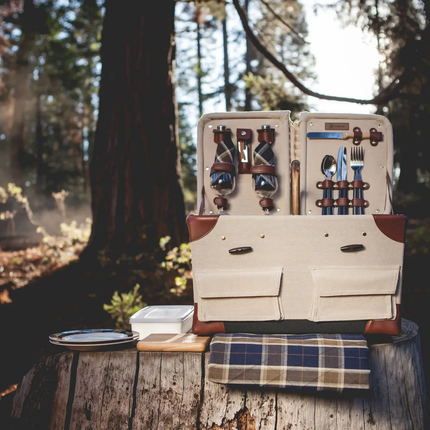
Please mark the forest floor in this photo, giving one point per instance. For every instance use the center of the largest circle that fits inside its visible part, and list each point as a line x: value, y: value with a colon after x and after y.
x: 38, y: 298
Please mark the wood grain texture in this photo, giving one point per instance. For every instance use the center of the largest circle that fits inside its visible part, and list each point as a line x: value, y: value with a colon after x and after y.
x: 62, y: 390
x: 168, y: 390
x: 104, y: 390
x: 295, y: 187
x: 220, y: 405
x: 147, y: 395
x: 174, y: 342
x: 295, y: 411
x: 261, y: 405
x: 37, y: 401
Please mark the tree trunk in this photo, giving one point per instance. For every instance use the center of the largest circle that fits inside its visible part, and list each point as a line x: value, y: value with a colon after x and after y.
x: 135, y: 175
x: 169, y: 390
x: 21, y: 95
x: 408, y: 145
x: 199, y: 63
x: 40, y: 164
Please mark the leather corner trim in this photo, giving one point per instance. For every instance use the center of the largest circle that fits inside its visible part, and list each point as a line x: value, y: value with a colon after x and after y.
x: 200, y: 225
x: 202, y: 328
x: 393, y: 226
x: 391, y: 327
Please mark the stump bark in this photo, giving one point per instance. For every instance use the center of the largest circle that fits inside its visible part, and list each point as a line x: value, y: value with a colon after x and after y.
x: 168, y: 390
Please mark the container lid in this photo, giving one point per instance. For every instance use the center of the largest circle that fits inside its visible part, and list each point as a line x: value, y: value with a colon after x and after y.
x: 162, y: 314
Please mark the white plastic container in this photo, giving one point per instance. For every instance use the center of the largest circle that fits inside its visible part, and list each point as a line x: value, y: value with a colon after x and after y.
x: 162, y: 319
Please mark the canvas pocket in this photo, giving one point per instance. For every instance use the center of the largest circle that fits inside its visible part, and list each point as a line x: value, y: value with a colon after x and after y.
x: 354, y: 293
x: 239, y: 295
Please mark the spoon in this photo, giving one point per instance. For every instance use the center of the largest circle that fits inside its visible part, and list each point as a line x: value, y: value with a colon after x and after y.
x: 328, y: 168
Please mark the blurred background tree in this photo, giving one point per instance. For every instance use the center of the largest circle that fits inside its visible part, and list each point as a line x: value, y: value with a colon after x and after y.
x: 50, y: 74
x: 136, y: 184
x: 281, y: 26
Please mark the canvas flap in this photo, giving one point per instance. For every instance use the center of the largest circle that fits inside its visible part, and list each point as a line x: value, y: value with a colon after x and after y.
x: 239, y: 283
x: 352, y: 281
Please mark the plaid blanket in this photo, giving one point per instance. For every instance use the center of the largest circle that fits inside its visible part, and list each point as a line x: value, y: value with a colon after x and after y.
x: 335, y: 362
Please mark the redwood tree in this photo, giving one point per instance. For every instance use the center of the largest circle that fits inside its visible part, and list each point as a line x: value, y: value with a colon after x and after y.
x: 135, y: 175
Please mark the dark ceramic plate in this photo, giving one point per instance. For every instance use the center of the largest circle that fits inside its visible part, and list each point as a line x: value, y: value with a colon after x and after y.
x: 93, y: 336
x: 122, y: 344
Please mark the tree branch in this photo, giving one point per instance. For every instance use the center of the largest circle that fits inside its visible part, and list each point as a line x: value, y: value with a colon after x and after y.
x: 387, y: 94
x: 289, y: 26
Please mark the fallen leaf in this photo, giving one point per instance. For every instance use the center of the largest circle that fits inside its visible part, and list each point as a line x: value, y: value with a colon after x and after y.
x: 4, y: 297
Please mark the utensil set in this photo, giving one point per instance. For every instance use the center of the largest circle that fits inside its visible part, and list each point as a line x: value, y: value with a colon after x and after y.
x: 260, y: 163
x: 329, y: 168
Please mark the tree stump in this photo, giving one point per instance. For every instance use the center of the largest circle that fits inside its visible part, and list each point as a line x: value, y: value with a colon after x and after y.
x: 167, y: 390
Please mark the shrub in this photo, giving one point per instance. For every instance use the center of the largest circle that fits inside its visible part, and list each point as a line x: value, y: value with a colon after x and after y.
x: 123, y: 306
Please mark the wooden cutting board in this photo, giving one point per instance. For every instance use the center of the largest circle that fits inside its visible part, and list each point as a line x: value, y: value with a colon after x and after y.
x: 173, y: 342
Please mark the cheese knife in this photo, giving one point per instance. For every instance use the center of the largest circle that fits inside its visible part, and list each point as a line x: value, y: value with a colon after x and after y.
x: 339, y: 135
x: 332, y: 135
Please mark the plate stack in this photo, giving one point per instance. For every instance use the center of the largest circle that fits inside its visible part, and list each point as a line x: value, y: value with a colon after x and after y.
x: 95, y: 339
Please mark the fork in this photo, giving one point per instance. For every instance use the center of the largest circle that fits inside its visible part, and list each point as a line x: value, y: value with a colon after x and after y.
x: 357, y: 164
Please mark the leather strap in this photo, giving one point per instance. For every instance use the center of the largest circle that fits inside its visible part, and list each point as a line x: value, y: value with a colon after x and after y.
x: 342, y: 201
x: 358, y: 136
x: 265, y: 169
x: 359, y: 203
x: 325, y: 203
x: 219, y: 135
x: 267, y: 203
x: 266, y: 134
x: 360, y: 184
x: 375, y: 137
x: 325, y: 185
x: 222, y: 167
x: 342, y: 185
x: 221, y: 202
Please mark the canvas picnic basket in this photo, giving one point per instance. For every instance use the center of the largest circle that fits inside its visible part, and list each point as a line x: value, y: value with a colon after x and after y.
x: 288, y: 240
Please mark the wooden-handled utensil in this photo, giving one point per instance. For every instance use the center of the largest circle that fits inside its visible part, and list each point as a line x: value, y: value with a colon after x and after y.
x: 295, y: 187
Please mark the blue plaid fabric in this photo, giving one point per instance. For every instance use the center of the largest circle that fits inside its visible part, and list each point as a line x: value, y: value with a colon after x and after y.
x: 335, y: 362
x: 225, y: 153
x: 264, y: 155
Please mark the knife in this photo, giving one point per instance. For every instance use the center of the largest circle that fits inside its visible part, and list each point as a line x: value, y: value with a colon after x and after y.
x: 339, y: 176
x: 334, y: 135
x: 342, y: 174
